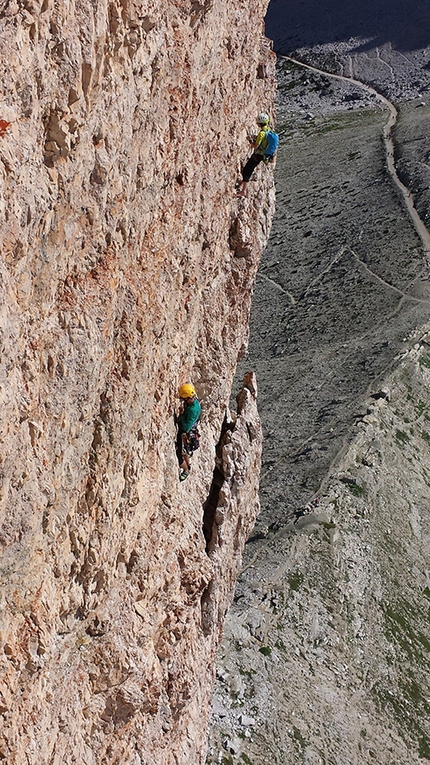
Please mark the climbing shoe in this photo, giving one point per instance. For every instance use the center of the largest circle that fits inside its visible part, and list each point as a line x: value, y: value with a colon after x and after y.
x: 183, y: 475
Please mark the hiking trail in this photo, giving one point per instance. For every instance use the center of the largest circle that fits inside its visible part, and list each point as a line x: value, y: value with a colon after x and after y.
x: 406, y: 194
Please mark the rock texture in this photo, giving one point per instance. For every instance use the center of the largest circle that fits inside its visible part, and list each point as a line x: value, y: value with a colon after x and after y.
x: 127, y: 268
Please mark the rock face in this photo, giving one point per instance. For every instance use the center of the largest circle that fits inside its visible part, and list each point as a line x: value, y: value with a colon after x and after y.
x: 127, y: 268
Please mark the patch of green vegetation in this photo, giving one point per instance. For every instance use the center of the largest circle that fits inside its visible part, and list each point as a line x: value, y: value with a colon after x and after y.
x: 399, y: 706
x: 425, y: 436
x: 246, y: 672
x: 399, y: 628
x: 401, y: 436
x: 424, y: 747
x: 295, y: 580
x: 426, y: 478
x: 289, y: 85
x: 297, y: 736
x: 265, y: 650
x: 328, y: 127
x: 353, y: 486
x: 411, y: 690
x: 289, y: 66
x: 425, y: 360
x: 245, y: 759
x: 356, y: 490
x: 419, y: 409
x: 406, y: 420
x: 426, y: 593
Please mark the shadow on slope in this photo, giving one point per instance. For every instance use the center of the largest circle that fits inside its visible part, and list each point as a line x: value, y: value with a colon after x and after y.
x: 405, y: 25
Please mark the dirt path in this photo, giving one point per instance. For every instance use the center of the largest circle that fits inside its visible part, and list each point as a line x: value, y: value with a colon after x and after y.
x: 342, y: 283
x: 408, y: 198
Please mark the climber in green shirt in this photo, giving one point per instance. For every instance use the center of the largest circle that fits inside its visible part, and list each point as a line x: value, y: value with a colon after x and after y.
x: 188, y: 436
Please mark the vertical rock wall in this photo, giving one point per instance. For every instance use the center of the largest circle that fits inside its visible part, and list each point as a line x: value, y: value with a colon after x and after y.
x: 127, y: 267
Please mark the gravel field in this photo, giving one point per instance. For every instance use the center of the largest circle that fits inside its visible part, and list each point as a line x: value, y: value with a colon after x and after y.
x: 330, y: 310
x: 324, y: 659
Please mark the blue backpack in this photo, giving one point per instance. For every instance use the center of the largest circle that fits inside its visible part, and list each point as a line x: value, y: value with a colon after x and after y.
x: 271, y: 143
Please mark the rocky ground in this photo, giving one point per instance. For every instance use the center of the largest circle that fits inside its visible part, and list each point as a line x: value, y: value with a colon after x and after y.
x: 385, y: 42
x: 330, y: 311
x: 323, y: 659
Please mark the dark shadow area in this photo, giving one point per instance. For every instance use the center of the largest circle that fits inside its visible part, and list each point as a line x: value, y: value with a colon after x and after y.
x: 207, y: 608
x: 211, y: 504
x: 292, y: 24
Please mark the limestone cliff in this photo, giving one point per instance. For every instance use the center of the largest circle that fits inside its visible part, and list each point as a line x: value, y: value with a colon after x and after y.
x: 127, y: 268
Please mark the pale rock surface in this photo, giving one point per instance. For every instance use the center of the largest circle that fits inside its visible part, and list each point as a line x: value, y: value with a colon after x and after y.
x: 127, y: 268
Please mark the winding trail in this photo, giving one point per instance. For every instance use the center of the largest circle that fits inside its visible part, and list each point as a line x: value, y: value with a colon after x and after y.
x: 278, y: 287
x: 414, y: 293
x: 340, y: 300
x: 407, y: 196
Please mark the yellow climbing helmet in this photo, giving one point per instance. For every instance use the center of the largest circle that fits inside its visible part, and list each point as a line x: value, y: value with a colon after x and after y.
x: 186, y: 391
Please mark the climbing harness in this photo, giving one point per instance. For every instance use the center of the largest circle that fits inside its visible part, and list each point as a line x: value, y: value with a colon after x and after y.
x: 191, y: 440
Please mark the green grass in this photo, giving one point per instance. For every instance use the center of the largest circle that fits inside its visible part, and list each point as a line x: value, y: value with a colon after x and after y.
x: 419, y: 409
x: 295, y: 580
x: 425, y: 361
x: 245, y: 759
x: 297, y: 736
x: 401, y: 436
x: 354, y: 488
x: 265, y: 650
x: 424, y: 747
x: 399, y: 628
x: 425, y: 436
